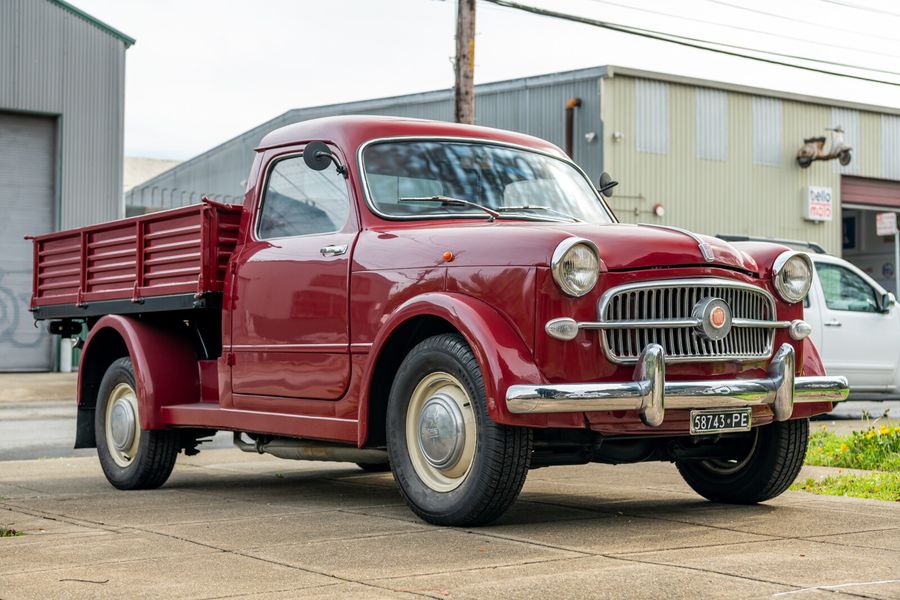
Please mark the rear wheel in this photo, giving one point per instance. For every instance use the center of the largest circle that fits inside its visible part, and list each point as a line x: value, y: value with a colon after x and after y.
x: 452, y: 463
x: 770, y: 461
x: 132, y: 458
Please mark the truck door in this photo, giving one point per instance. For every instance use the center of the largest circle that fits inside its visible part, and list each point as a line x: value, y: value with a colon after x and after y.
x: 290, y: 321
x: 859, y: 341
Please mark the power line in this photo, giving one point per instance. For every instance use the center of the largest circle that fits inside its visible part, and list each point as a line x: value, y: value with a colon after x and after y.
x: 862, y: 7
x: 802, y: 21
x: 740, y: 28
x: 700, y: 43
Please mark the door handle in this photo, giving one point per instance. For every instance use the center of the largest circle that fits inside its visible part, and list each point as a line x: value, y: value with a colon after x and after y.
x: 333, y: 250
x: 833, y: 323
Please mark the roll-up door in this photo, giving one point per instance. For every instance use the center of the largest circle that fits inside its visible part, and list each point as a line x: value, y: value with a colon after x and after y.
x: 27, y: 181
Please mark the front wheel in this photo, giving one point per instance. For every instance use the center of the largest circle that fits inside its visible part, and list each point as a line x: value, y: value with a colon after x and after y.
x: 132, y: 458
x: 452, y: 463
x: 768, y: 465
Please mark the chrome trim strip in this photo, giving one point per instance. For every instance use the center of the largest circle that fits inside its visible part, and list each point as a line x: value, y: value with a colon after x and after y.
x: 676, y: 323
x: 364, y: 183
x: 692, y: 282
x: 705, y: 249
x: 650, y: 394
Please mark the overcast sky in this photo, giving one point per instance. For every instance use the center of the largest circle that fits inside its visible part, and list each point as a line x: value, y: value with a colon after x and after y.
x: 203, y: 71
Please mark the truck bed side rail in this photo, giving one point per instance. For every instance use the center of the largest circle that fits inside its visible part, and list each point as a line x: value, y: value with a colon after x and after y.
x: 169, y: 258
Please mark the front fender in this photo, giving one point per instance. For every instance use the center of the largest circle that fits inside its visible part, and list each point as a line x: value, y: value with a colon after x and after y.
x: 165, y: 366
x: 502, y: 354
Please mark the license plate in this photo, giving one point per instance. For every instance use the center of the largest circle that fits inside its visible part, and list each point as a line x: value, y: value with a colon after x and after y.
x: 720, y: 420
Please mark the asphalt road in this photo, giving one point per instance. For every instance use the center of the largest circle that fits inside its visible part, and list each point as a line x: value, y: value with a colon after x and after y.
x: 235, y: 525
x: 46, y: 428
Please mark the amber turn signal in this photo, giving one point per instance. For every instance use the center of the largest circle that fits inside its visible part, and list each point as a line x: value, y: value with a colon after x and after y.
x: 448, y: 256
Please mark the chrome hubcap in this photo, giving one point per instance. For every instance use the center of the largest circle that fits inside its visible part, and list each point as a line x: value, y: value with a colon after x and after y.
x: 123, y: 429
x: 441, y: 431
x: 121, y: 426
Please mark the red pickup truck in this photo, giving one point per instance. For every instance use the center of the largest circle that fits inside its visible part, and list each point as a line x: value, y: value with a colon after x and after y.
x: 456, y: 304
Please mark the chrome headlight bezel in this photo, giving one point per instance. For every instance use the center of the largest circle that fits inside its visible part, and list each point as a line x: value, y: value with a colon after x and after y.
x: 782, y: 262
x: 558, y: 260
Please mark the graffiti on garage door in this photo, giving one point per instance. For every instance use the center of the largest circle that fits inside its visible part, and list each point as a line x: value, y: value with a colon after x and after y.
x: 17, y: 328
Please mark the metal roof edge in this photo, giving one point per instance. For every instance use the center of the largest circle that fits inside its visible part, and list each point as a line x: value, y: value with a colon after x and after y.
x: 129, y: 41
x: 375, y: 103
x: 613, y: 71
x: 210, y: 151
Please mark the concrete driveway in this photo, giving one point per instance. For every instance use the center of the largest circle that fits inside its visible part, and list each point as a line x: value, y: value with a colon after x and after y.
x: 234, y: 525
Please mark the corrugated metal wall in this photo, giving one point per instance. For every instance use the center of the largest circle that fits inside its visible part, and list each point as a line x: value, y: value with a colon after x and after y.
x: 533, y: 105
x: 890, y: 146
x: 55, y: 62
x: 848, y: 120
x: 759, y: 189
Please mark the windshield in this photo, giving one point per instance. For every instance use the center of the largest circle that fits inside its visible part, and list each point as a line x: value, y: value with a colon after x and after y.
x: 405, y: 177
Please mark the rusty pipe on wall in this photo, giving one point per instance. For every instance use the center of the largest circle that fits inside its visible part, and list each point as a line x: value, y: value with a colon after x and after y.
x: 571, y: 105
x: 297, y: 449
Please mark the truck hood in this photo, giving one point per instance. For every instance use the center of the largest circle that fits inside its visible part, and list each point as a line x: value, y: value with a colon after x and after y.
x: 626, y: 247
x: 523, y: 243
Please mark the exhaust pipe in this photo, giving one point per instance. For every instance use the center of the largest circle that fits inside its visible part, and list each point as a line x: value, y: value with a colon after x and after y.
x: 571, y: 105
x: 294, y: 449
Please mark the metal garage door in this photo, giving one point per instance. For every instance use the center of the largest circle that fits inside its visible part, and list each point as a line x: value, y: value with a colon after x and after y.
x: 27, y: 175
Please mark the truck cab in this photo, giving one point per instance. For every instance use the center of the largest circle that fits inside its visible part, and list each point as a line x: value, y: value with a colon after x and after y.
x: 456, y: 304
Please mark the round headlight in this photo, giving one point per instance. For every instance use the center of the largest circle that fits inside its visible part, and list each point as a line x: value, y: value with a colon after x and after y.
x: 575, y: 266
x: 792, y: 275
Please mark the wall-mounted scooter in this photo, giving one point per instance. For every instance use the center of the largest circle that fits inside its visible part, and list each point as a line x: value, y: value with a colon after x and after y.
x: 814, y: 149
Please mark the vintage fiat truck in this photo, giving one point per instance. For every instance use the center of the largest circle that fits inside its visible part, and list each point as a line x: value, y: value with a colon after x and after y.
x: 456, y: 304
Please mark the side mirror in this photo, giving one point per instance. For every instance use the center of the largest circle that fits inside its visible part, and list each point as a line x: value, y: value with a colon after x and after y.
x: 317, y: 156
x: 606, y: 184
x: 888, y: 300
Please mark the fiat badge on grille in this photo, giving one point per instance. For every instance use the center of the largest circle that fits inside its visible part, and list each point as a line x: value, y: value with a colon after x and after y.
x: 714, y: 318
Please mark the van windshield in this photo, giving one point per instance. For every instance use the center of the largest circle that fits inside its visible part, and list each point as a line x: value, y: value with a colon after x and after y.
x: 517, y: 183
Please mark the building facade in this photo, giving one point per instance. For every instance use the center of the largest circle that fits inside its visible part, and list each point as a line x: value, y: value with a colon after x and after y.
x: 703, y: 155
x: 62, y: 100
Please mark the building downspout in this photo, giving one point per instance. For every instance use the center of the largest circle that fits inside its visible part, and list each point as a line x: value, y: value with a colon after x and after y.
x: 571, y: 105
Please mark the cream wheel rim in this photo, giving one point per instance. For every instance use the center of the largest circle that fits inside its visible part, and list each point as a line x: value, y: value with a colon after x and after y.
x: 123, y: 431
x: 441, y: 431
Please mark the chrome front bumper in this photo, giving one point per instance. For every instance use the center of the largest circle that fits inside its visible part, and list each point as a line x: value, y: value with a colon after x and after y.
x: 650, y: 394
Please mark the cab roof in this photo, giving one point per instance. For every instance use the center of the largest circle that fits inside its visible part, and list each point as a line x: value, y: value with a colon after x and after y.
x: 350, y: 132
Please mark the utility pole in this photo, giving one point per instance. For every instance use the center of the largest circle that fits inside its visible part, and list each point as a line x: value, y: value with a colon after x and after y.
x: 465, y: 62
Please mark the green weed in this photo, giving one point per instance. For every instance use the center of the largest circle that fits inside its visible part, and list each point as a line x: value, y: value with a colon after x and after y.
x: 875, y: 449
x: 9, y: 532
x: 879, y: 486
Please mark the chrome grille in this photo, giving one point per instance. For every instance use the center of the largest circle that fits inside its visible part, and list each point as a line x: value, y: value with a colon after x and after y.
x: 665, y: 302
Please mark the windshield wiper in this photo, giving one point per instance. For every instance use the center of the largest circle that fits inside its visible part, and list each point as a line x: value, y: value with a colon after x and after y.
x: 448, y: 201
x: 540, y: 208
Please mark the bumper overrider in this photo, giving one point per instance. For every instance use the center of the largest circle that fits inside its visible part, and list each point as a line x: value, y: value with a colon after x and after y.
x: 650, y: 394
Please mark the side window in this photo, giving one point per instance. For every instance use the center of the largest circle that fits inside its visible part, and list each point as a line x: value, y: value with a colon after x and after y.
x: 300, y: 201
x: 845, y: 290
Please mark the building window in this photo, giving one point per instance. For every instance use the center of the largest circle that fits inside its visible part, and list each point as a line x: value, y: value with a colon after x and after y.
x: 890, y: 147
x: 766, y: 131
x: 712, y: 124
x: 651, y: 116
